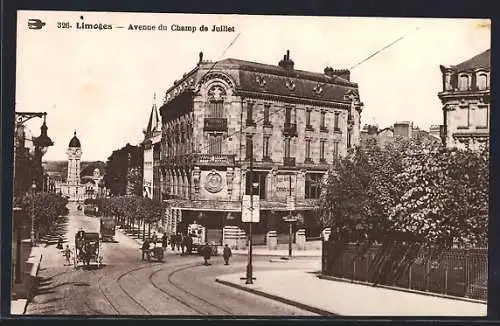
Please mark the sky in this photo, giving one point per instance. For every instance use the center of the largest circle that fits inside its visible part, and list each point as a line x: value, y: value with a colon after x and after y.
x: 101, y: 83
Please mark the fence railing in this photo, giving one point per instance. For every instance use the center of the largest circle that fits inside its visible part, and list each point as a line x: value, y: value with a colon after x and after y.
x: 454, y: 272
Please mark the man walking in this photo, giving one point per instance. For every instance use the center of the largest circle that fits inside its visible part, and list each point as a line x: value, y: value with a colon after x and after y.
x: 67, y: 255
x: 207, y: 253
x: 227, y: 254
x: 164, y: 241
x: 145, y: 249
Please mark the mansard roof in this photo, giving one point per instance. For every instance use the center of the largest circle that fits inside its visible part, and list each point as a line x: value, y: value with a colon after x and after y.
x: 280, y: 80
x: 480, y: 61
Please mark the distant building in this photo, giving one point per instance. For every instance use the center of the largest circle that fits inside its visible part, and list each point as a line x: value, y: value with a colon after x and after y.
x: 74, y: 187
x: 152, y: 149
x: 435, y: 130
x: 402, y: 129
x: 94, y: 185
x: 466, y: 102
x: 290, y: 123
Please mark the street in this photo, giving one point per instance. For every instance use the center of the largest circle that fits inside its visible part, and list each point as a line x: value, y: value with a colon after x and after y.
x: 125, y: 285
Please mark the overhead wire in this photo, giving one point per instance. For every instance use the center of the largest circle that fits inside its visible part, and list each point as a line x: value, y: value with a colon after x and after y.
x: 332, y: 79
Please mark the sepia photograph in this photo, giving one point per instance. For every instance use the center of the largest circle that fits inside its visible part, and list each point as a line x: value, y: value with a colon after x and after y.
x: 250, y: 165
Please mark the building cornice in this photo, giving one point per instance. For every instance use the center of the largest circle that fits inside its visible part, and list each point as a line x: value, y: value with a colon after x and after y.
x: 293, y: 99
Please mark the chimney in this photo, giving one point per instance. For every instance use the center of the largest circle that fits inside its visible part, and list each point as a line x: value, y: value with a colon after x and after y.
x: 402, y: 129
x: 286, y: 63
x: 201, y: 57
x: 329, y: 71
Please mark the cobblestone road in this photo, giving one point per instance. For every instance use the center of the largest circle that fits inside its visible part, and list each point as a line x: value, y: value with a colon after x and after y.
x: 125, y: 285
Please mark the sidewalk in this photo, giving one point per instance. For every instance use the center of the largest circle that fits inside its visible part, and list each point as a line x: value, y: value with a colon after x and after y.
x: 21, y: 292
x: 325, y: 297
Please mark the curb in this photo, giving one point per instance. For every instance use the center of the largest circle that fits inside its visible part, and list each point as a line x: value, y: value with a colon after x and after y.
x: 394, y: 288
x: 33, y: 282
x: 278, y: 298
x: 275, y: 255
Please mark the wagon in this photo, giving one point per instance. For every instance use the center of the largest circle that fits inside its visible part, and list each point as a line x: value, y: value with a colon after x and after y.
x: 154, y: 252
x: 87, y: 249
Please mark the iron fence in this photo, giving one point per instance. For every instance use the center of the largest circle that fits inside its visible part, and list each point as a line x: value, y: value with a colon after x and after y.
x: 454, y: 272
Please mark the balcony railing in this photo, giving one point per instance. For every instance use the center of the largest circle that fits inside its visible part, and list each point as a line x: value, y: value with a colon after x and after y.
x: 215, y: 124
x: 214, y: 159
x: 289, y: 161
x: 290, y: 129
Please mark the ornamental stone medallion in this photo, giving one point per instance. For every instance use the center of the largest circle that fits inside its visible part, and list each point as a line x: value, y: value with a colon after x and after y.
x: 213, y: 182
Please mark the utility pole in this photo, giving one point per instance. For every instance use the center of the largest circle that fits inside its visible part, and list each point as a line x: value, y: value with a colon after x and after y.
x: 249, y: 266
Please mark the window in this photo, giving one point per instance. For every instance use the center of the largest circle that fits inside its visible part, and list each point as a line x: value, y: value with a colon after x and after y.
x: 336, y: 122
x: 335, y: 149
x: 322, y: 150
x: 308, y: 149
x: 265, y: 147
x: 308, y: 117
x: 482, y: 82
x: 313, y: 186
x: 323, y: 120
x: 215, y: 144
x: 287, y: 147
x: 249, y: 147
x: 266, y: 114
x: 250, y: 114
x: 288, y: 115
x: 260, y: 179
x: 216, y: 109
x: 463, y: 83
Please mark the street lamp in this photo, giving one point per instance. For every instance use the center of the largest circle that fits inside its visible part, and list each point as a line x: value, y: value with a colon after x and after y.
x: 32, y: 233
x: 249, y: 279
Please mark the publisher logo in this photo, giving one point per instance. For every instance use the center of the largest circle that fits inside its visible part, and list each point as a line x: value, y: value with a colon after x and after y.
x: 35, y: 24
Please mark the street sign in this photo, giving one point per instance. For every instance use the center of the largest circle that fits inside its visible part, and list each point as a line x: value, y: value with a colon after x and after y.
x: 290, y: 203
x: 290, y: 219
x: 250, y: 211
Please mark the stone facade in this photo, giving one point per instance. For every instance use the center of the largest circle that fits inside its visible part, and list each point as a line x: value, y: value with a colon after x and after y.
x: 466, y: 102
x: 152, y: 139
x: 73, y: 188
x: 216, y: 118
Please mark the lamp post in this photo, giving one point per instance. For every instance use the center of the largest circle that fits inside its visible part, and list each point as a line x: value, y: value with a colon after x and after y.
x: 290, y: 218
x: 17, y: 227
x: 32, y: 233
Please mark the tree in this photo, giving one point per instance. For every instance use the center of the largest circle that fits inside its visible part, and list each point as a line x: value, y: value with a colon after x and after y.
x: 118, y: 167
x: 409, y: 196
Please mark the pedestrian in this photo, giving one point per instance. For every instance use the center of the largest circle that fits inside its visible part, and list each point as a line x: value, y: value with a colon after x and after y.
x: 183, y: 244
x: 207, y: 253
x: 172, y: 242
x: 60, y: 243
x: 178, y: 240
x: 164, y: 241
x: 67, y: 255
x: 189, y: 245
x: 154, y: 239
x: 227, y: 254
x: 145, y: 249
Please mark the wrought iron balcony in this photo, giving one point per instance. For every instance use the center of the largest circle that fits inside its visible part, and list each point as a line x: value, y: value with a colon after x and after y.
x: 289, y: 161
x: 215, y: 124
x: 214, y: 160
x: 290, y: 129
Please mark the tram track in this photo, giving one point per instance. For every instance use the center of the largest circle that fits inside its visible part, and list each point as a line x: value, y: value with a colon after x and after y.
x: 189, y: 293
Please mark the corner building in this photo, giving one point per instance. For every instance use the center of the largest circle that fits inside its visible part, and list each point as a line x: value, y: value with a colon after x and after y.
x: 466, y: 102
x: 220, y: 115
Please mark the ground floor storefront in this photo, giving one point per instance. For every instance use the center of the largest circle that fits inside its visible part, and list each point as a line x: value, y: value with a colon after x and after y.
x: 226, y: 226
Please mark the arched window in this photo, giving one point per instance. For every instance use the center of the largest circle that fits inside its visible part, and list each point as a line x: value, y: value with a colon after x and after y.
x: 463, y: 83
x: 216, y: 96
x: 482, y: 81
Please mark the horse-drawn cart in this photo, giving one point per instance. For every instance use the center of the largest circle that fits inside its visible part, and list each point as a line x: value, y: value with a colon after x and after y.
x: 87, y: 249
